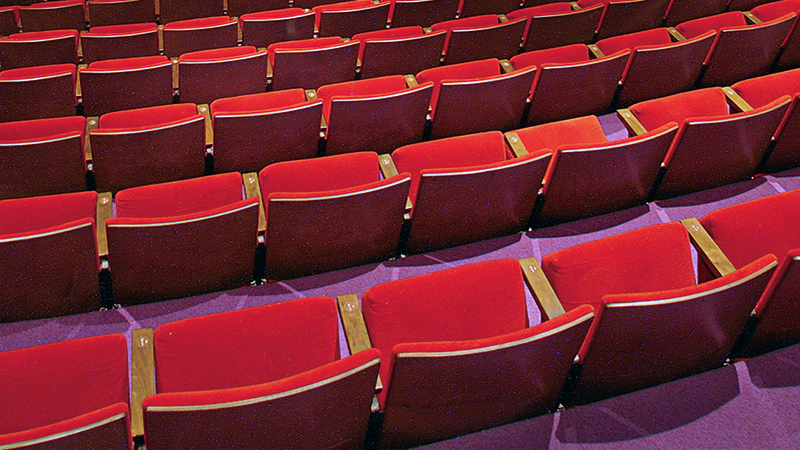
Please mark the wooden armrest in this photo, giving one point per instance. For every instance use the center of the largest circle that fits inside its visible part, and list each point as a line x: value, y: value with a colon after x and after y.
x: 544, y: 294
x: 142, y: 375
x: 753, y: 19
x: 105, y: 210
x: 427, y: 30
x: 205, y: 110
x: 502, y: 18
x: 158, y: 7
x: 506, y: 66
x: 78, y: 88
x: 676, y: 34
x: 91, y: 123
x: 575, y: 6
x: 516, y: 145
x: 311, y: 95
x: 388, y: 169
x: 253, y: 190
x: 631, y: 122
x: 354, y: 327
x: 708, y: 249
x: 411, y: 81
x: 160, y: 34
x: 596, y: 51
x: 739, y: 104
x: 175, y: 84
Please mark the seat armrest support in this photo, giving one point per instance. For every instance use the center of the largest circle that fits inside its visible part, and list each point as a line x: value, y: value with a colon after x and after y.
x: 516, y: 145
x: 676, y: 35
x: 105, y: 211
x: 253, y: 190
x: 541, y: 289
x: 631, y: 122
x: 739, y: 104
x: 142, y: 375
x: 204, y: 109
x: 708, y: 250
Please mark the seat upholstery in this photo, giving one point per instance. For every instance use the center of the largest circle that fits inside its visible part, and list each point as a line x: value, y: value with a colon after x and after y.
x: 311, y: 63
x: 404, y: 50
x: 120, y: 41
x: 556, y: 25
x: 128, y: 83
x: 38, y: 92
x: 207, y: 75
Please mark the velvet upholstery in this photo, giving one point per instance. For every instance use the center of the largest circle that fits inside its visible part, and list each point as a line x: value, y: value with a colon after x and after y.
x: 481, y: 37
x: 578, y: 131
x: 741, y: 139
x: 120, y: 41
x: 653, y: 55
x: 643, y: 339
x: 468, y: 191
x: 256, y: 130
x: 176, y: 10
x: 564, y: 89
x: 746, y: 232
x: 376, y: 114
x: 439, y: 327
x: 61, y: 387
x: 556, y: 25
x: 193, y: 35
x: 763, y: 90
x: 119, y: 12
x: 424, y: 13
x: 790, y: 55
x: 39, y: 48
x: 629, y: 16
x: 740, y: 50
x: 404, y: 50
x: 57, y: 15
x: 312, y: 63
x: 207, y: 75
x: 238, y: 8
x: 37, y: 92
x: 127, y: 83
x: 287, y: 368
x: 148, y: 145
x: 49, y: 256
x: 264, y: 28
x: 43, y: 157
x: 190, y: 248
x: 684, y: 10
x: 474, y: 97
x: 469, y: 8
x: 363, y: 214
x: 350, y: 18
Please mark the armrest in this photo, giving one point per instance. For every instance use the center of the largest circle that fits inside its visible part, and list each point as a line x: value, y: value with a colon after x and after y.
x: 354, y: 327
x: 105, y: 211
x: 427, y: 30
x: 78, y: 89
x: 142, y: 375
x: 175, y: 84
x: 388, y: 169
x: 739, y: 104
x: 502, y: 18
x: 160, y: 33
x: 676, y: 34
x: 91, y: 123
x: 253, y: 190
x: 753, y: 19
x: 506, y: 66
x: 516, y: 144
x: 575, y: 6
x: 206, y: 112
x: 631, y: 122
x: 707, y: 249
x: 541, y: 289
x: 596, y: 52
x: 411, y: 81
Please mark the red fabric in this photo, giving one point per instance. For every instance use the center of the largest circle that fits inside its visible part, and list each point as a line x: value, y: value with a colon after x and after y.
x: 541, y: 10
x: 43, y: 35
x: 343, y: 6
x: 128, y: 63
x: 455, y: 152
x: 116, y: 435
x: 54, y: 5
x: 761, y: 91
x: 581, y: 130
x: 696, y: 27
x: 24, y: 73
x: 679, y: 107
x: 654, y: 258
x: 391, y: 33
x: 120, y: 30
x: 34, y: 130
x: 328, y: 173
x: 205, y: 22
x: 467, y: 23
x: 29, y: 214
x: 457, y: 72
x: 149, y: 117
x: 646, y: 38
x: 474, y: 301
x: 276, y: 14
x: 246, y: 347
x: 749, y: 230
x: 558, y: 55
x: 179, y: 198
x: 51, y: 383
x: 774, y: 10
x: 361, y: 88
x: 217, y: 54
x: 264, y: 101
x: 301, y: 44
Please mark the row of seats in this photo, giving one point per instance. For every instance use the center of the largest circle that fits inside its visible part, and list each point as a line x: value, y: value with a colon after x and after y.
x: 432, y: 194
x: 447, y: 362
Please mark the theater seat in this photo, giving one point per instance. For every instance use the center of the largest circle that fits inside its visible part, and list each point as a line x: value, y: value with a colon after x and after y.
x: 557, y: 24
x: 347, y: 19
x: 207, y: 75
x: 57, y: 15
x: 264, y: 28
x: 789, y: 57
x: 127, y: 83
x: 480, y: 37
x: 311, y: 63
x: 406, y: 13
x: 120, y: 12
x: 193, y: 35
x: 398, y: 51
x: 120, y: 41
x: 39, y: 48
x: 628, y: 16
x: 38, y: 92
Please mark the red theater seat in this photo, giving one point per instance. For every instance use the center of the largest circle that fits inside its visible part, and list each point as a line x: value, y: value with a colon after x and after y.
x: 119, y: 41
x: 311, y: 63
x: 264, y: 28
x: 199, y: 34
x: 481, y: 37
x: 398, y: 51
x: 128, y: 83
x: 207, y: 75
x: 557, y: 24
x: 406, y: 13
x: 119, y: 12
x: 350, y: 18
x: 57, y: 15
x: 628, y: 16
x: 39, y: 48
x: 38, y: 92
